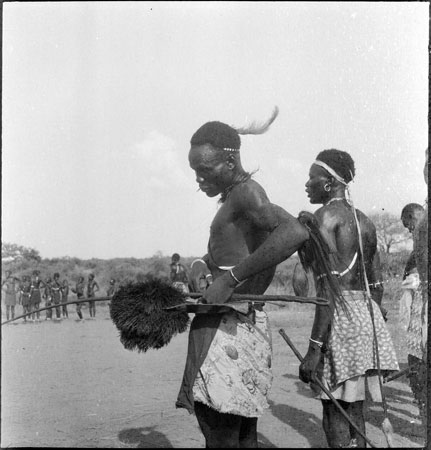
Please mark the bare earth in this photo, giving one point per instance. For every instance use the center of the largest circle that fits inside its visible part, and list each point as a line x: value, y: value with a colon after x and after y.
x: 72, y: 384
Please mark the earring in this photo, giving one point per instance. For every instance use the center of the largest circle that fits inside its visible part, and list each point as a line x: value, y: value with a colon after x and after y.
x: 327, y: 187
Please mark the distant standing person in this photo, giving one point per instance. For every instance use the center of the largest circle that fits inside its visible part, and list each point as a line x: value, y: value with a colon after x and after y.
x: 35, y: 296
x: 178, y: 274
x: 64, y: 298
x: 113, y: 288
x: 411, y: 214
x: 79, y: 291
x: 92, y: 288
x: 24, y: 297
x: 411, y: 308
x: 9, y: 285
x: 56, y: 294
x: 420, y: 247
x: 47, y: 295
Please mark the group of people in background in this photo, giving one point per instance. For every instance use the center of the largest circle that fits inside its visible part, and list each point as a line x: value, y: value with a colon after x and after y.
x: 33, y: 293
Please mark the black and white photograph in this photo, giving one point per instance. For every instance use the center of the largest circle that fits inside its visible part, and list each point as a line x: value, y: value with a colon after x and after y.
x: 214, y: 224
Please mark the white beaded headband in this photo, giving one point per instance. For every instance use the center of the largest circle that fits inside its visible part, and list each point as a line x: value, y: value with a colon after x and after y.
x: 330, y: 170
x: 231, y: 149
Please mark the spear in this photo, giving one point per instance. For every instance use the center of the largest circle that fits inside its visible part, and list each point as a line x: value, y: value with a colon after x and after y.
x: 325, y: 390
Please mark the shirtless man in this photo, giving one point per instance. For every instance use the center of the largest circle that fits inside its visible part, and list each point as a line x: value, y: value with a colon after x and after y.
x: 228, y: 368
x: 47, y: 295
x: 341, y: 348
x: 25, y: 289
x: 79, y: 291
x: 113, y: 288
x: 178, y: 274
x: 420, y: 248
x: 56, y: 288
x: 92, y: 288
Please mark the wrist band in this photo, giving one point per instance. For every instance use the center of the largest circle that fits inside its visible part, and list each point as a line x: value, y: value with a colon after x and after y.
x: 234, y: 277
x: 320, y: 344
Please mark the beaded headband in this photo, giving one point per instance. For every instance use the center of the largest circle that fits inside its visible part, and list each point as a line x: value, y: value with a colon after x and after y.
x: 330, y: 170
x: 231, y: 149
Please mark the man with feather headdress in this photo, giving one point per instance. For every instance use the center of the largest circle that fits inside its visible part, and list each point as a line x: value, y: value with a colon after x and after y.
x: 228, y: 369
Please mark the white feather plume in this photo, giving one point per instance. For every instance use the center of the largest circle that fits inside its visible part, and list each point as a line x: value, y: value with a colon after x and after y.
x: 258, y: 127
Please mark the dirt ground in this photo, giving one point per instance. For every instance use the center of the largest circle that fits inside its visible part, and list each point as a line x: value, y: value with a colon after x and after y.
x: 72, y: 384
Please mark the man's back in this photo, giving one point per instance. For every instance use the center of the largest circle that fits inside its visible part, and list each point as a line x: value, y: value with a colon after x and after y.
x: 338, y: 225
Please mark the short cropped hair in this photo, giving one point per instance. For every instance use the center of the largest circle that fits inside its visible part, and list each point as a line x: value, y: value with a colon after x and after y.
x: 217, y: 134
x: 340, y: 161
x: 411, y: 208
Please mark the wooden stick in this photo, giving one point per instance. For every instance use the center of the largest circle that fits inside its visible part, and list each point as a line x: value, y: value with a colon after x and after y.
x: 235, y: 298
x: 58, y: 305
x: 325, y: 390
x: 399, y: 374
x: 269, y: 298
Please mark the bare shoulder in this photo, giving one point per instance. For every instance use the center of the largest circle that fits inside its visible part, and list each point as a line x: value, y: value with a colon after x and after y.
x: 366, y: 223
x: 248, y: 198
x: 251, y: 202
x: 249, y: 193
x: 330, y: 217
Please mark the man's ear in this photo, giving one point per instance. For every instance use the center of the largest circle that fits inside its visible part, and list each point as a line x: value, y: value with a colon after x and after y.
x: 231, y: 161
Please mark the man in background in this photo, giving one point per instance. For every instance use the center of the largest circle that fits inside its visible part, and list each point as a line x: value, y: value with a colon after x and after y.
x: 178, y: 274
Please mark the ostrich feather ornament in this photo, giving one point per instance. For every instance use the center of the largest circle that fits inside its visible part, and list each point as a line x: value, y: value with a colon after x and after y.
x: 138, y: 311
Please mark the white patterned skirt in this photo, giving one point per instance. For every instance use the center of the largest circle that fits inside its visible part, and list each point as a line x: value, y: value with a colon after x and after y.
x: 236, y: 375
x: 350, y: 363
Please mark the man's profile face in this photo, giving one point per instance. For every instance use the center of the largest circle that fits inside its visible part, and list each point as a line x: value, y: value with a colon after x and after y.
x: 411, y: 219
x: 408, y: 222
x: 212, y: 172
x: 315, y: 186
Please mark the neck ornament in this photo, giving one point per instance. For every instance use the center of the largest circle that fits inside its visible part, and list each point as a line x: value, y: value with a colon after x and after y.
x: 241, y: 179
x: 335, y: 199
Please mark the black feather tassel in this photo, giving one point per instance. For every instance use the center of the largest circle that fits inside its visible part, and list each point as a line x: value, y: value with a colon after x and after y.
x: 137, y: 310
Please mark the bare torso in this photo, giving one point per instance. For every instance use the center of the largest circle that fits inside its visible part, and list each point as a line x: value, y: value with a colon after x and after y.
x: 339, y: 227
x: 234, y: 235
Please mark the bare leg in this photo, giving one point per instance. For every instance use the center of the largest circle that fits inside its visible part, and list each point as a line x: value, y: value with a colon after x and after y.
x: 225, y: 430
x: 335, y: 426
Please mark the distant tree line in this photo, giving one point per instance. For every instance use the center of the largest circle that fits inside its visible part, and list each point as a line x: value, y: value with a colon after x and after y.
x: 22, y: 261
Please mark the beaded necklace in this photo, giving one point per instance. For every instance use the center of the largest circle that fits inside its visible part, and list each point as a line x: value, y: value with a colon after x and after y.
x: 334, y: 200
x: 242, y: 179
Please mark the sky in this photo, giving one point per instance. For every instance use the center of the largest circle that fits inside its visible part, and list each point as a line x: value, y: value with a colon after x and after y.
x: 100, y: 100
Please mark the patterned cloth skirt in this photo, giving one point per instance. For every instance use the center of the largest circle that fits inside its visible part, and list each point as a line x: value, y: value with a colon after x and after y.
x: 351, y: 355
x: 236, y: 375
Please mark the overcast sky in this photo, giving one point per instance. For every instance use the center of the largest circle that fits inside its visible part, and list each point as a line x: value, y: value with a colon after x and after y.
x: 100, y: 100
